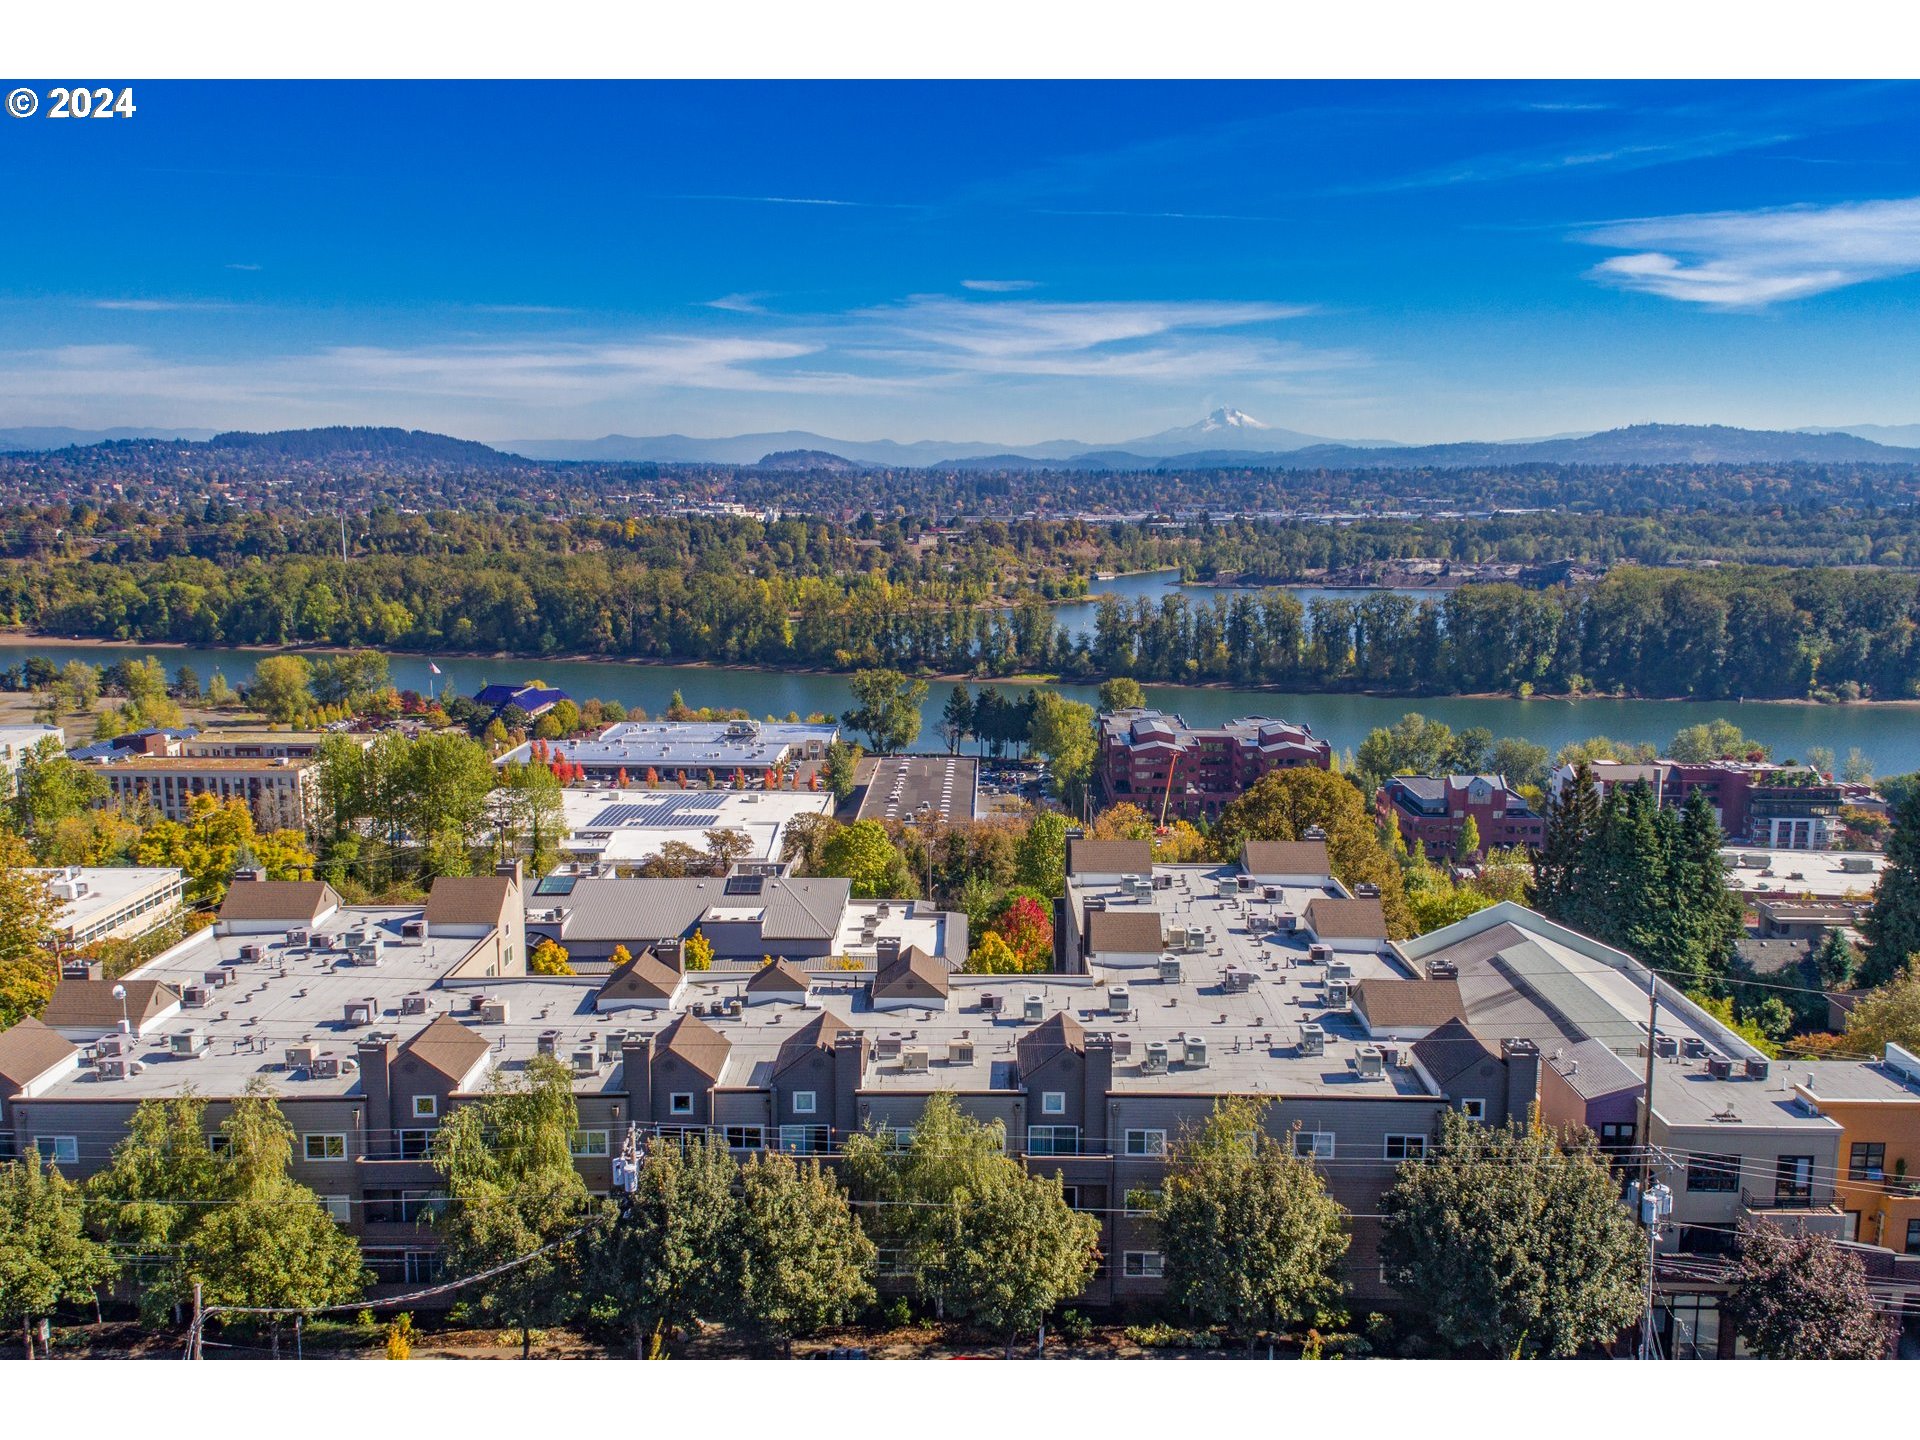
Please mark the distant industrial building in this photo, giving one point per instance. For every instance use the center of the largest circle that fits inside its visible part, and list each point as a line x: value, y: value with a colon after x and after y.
x: 627, y: 752
x: 112, y: 902
x: 1164, y: 765
x: 1758, y: 803
x: 281, y: 793
x: 633, y: 825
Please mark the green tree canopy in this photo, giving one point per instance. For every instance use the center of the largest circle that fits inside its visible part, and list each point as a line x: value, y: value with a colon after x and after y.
x: 801, y: 1259
x: 1511, y: 1244
x: 886, y: 709
x: 46, y: 1256
x: 864, y: 854
x: 1253, y: 1241
x: 1284, y: 804
x: 1892, y: 927
x: 1122, y: 692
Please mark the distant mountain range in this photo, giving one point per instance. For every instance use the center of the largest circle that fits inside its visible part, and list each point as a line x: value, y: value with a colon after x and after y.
x: 1226, y: 439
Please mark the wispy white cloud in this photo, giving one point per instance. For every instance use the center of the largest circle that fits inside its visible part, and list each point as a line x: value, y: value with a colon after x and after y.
x: 240, y: 265
x: 523, y: 309
x: 799, y: 200
x: 744, y: 303
x: 1000, y: 287
x: 1752, y: 258
x: 155, y: 306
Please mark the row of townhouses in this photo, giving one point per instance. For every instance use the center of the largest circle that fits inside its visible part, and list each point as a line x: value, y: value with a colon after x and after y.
x: 1175, y: 985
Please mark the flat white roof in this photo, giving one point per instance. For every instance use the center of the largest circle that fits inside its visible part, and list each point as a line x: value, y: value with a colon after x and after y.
x: 631, y: 825
x: 1788, y: 873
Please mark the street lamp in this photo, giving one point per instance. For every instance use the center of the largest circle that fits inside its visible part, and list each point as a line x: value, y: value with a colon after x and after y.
x: 126, y: 1024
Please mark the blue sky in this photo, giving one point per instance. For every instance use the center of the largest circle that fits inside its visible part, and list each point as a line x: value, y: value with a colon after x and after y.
x: 998, y: 261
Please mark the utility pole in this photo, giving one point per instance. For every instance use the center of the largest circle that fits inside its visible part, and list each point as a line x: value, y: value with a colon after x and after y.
x: 193, y: 1332
x: 1649, y: 1204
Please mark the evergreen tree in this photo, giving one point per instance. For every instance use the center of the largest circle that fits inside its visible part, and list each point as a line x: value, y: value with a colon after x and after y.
x: 1835, y: 961
x: 1253, y: 1240
x: 956, y: 721
x: 1573, y: 823
x: 1892, y: 927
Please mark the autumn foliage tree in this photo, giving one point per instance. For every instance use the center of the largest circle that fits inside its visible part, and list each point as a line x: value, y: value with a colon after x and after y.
x: 1802, y: 1297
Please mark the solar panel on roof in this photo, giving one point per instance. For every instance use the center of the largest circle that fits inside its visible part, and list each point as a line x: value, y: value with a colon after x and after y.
x: 663, y: 812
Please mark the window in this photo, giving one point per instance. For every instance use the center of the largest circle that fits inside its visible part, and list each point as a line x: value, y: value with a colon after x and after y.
x: 1913, y: 1237
x: 1406, y: 1147
x: 1719, y: 1173
x: 1474, y: 1109
x: 804, y: 1102
x: 1053, y: 1102
x: 1867, y: 1162
x: 1053, y: 1139
x: 426, y: 1107
x: 400, y: 1207
x: 1141, y: 1264
x: 1143, y: 1200
x: 680, y: 1103
x: 325, y: 1147
x: 805, y: 1139
x: 1616, y: 1134
x: 1147, y: 1142
x: 1313, y: 1144
x: 1071, y: 1194
x: 746, y: 1137
x: 58, y: 1149
x: 340, y: 1207
x: 1793, y: 1178
x: 588, y: 1144
x: 415, y: 1144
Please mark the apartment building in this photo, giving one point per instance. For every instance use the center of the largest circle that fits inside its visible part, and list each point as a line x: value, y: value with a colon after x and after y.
x: 759, y: 910
x: 1876, y: 1104
x: 1162, y: 764
x: 281, y: 792
x: 1759, y: 803
x: 1433, y: 810
x: 112, y: 902
x: 16, y: 741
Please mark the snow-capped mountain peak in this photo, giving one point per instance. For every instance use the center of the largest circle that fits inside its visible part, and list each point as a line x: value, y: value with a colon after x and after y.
x: 1227, y: 418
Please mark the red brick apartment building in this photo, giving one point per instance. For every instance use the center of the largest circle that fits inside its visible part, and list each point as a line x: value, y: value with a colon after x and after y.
x: 1433, y: 810
x: 1158, y: 761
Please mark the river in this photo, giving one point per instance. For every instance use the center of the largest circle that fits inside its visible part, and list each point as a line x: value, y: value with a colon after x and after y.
x: 1888, y: 734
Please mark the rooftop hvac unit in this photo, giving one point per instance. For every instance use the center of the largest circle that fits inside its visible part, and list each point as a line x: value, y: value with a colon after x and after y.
x: 1337, y: 998
x: 1033, y: 1007
x: 548, y: 1043
x: 1665, y: 1046
x: 614, y: 1045
x: 1314, y: 832
x: 1228, y: 888
x: 189, y: 1044
x: 216, y: 979
x: 886, y: 1047
x: 1243, y: 883
x: 116, y: 1044
x: 413, y: 1004
x: 321, y: 940
x: 250, y: 954
x: 914, y: 1060
x: 1443, y: 970
x: 991, y: 1003
x: 300, y: 1057
x: 1154, y: 1061
x: 115, y: 1069
x: 193, y: 997
x: 1369, y: 1061
x: 80, y: 970
x: 1339, y: 970
x: 1366, y: 892
x: 1719, y: 1067
x: 1097, y: 903
x: 1196, y: 940
x: 1122, y: 1047
x: 960, y: 1052
x: 362, y: 1012
x: 1286, y: 922
x: 414, y: 929
x: 297, y: 939
x: 1170, y: 968
x: 325, y: 1067
x: 1236, y: 981
x: 494, y: 1012
x: 1319, y: 954
x: 1693, y: 1047
x: 735, y: 1006
x: 1757, y: 1068
x: 586, y: 1060
x: 1270, y: 893
x: 1162, y: 882
x: 477, y: 1002
x: 1313, y: 1040
x: 1119, y: 1001
x: 1196, y: 1052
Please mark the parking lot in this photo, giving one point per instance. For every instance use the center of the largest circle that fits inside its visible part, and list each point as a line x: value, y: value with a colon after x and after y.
x: 919, y: 788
